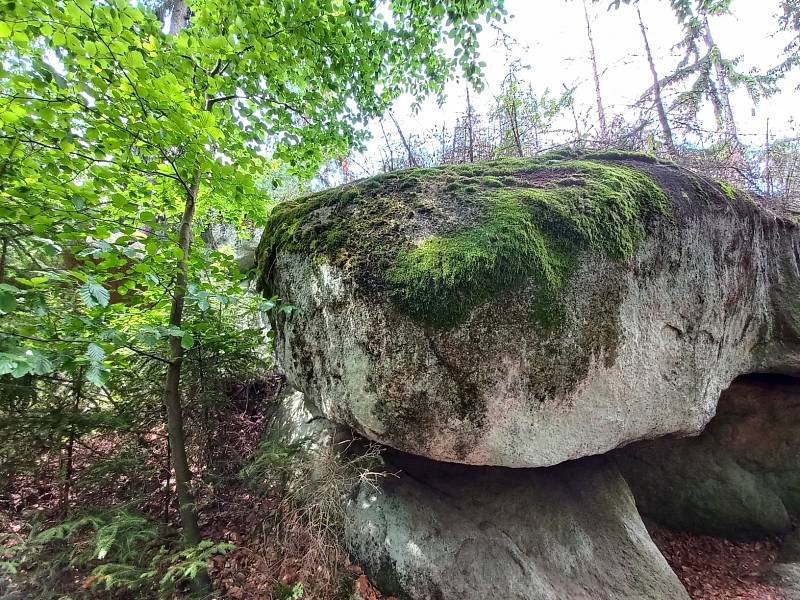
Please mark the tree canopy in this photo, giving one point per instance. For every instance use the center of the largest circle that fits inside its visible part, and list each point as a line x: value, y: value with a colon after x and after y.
x: 120, y: 143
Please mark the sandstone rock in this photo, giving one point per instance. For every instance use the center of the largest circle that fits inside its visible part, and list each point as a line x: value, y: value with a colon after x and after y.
x: 786, y: 577
x: 523, y: 313
x: 296, y: 422
x: 455, y: 532
x: 785, y: 572
x: 740, y: 478
x: 790, y: 548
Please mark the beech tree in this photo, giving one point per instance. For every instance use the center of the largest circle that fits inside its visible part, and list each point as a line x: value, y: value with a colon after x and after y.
x: 117, y: 139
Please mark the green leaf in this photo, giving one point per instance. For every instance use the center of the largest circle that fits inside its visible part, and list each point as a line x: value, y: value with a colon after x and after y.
x: 7, y: 363
x: 97, y: 374
x: 187, y: 340
x: 8, y: 301
x: 95, y: 352
x: 94, y: 294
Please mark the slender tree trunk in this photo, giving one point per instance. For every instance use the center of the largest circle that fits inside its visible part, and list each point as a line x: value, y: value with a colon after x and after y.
x: 512, y: 116
x: 768, y: 165
x: 388, y: 146
x: 469, y: 131
x: 66, y: 487
x: 412, y: 162
x: 721, y: 79
x: 172, y: 397
x: 575, y: 121
x: 666, y: 130
x: 179, y: 16
x: 601, y: 111
x: 172, y: 387
x: 443, y: 143
x: 3, y: 258
x: 167, y: 490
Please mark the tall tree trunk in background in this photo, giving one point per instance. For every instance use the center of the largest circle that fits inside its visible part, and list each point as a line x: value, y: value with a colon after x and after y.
x: 469, y: 130
x: 3, y: 255
x: 412, y: 161
x: 721, y: 80
x: 179, y: 16
x: 388, y: 146
x: 514, y: 122
x: 601, y: 112
x: 66, y: 487
x: 443, y: 145
x: 768, y: 165
x: 666, y: 130
x: 578, y: 135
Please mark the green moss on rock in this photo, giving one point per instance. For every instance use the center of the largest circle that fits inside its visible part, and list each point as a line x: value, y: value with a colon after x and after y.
x: 728, y: 190
x: 441, y: 241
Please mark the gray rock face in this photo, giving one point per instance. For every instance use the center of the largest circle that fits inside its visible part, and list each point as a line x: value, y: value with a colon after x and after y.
x: 451, y: 532
x: 785, y: 571
x: 740, y: 478
x: 642, y: 348
x: 295, y: 421
x: 786, y: 577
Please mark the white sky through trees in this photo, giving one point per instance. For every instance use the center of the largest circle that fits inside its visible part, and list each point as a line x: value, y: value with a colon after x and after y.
x: 548, y: 38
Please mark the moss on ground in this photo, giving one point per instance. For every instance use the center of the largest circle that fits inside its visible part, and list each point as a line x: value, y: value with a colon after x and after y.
x: 441, y: 241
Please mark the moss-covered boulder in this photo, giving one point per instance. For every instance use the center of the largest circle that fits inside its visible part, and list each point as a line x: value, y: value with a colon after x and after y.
x: 526, y: 312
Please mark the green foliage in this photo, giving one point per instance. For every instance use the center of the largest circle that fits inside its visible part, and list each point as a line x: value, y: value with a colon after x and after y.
x: 499, y: 224
x: 187, y: 563
x: 120, y: 145
x: 109, y: 125
x: 111, y: 130
x: 286, y: 592
x: 119, y: 536
x: 789, y: 20
x: 523, y: 115
x: 704, y: 64
x: 728, y: 190
x: 121, y: 550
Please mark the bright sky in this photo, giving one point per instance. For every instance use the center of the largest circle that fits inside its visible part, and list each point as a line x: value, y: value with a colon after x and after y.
x: 551, y: 43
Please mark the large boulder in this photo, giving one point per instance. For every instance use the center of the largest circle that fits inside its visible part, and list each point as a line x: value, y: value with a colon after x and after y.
x: 432, y: 530
x: 527, y: 312
x: 740, y: 478
x: 456, y: 532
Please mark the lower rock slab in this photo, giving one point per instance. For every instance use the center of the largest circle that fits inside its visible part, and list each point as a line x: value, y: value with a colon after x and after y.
x: 445, y: 531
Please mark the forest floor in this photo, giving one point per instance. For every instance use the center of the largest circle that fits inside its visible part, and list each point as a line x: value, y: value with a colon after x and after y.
x: 277, y: 556
x: 713, y: 568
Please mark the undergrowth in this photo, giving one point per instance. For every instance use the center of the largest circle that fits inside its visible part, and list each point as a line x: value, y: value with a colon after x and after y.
x: 121, y: 551
x: 314, y: 487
